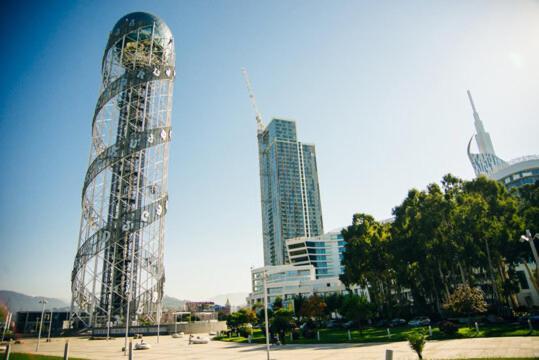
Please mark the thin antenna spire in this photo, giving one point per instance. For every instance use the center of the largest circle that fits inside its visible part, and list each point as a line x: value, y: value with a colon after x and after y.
x: 471, y: 101
x: 259, y: 122
x: 482, y: 137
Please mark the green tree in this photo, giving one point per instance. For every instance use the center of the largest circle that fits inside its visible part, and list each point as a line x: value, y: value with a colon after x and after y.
x: 357, y: 308
x: 529, y: 206
x: 277, y: 304
x: 314, y: 307
x: 333, y: 303
x: 282, y: 322
x: 368, y: 261
x: 299, y: 301
x: 240, y: 318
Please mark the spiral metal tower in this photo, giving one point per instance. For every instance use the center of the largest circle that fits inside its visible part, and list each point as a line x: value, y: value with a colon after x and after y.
x: 118, y: 272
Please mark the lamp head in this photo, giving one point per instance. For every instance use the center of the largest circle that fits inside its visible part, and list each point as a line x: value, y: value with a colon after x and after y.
x: 523, y: 238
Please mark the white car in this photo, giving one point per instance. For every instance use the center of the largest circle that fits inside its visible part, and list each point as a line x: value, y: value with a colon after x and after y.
x: 142, y: 346
x: 199, y: 340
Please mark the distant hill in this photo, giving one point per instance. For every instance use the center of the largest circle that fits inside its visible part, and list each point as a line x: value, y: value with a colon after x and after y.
x: 236, y: 299
x: 20, y: 302
x: 171, y: 303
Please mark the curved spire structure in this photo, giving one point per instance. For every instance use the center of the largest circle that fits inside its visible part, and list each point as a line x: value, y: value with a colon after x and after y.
x: 482, y: 137
x: 118, y: 273
x: 486, y: 160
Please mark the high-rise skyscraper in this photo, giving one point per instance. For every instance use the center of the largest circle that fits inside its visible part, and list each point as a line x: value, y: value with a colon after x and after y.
x: 118, y: 273
x: 289, y: 188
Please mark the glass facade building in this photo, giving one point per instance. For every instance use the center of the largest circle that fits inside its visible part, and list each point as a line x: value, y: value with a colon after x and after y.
x: 289, y: 189
x: 324, y: 252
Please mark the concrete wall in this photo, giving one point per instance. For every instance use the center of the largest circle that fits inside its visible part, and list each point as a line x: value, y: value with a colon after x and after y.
x: 198, y: 327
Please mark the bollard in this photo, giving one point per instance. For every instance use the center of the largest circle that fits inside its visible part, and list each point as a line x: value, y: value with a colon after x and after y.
x: 8, y: 351
x: 430, y: 331
x: 388, y: 333
x: 249, y: 339
x: 349, y: 336
x: 318, y: 335
x: 291, y: 337
x: 130, y: 350
x: 66, y: 350
x: 476, y: 327
x: 389, y: 354
x: 530, y: 326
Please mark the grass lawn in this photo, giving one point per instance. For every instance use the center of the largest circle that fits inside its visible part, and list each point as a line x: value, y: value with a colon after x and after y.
x: 372, y: 334
x: 21, y: 356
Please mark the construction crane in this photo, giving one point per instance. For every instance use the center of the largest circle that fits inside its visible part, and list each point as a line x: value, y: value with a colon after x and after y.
x: 259, y: 122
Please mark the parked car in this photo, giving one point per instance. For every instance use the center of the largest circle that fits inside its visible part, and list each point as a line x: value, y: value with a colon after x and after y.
x: 533, y: 317
x: 397, y: 322
x: 352, y: 324
x: 334, y: 324
x: 419, y: 321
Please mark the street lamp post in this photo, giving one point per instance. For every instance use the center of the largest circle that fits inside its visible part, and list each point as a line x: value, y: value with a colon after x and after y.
x: 529, y: 238
x: 50, y: 326
x: 42, y: 301
x: 158, y: 320
x: 127, y: 321
x: 6, y: 325
x: 265, y: 276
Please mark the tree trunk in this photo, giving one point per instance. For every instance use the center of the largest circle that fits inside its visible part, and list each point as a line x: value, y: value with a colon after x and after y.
x: 443, y: 280
x: 461, y: 272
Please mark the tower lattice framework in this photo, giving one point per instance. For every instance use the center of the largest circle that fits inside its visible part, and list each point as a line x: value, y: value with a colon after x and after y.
x: 118, y: 271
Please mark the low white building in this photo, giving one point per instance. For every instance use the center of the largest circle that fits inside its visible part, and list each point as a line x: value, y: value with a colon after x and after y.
x: 529, y: 293
x: 288, y: 281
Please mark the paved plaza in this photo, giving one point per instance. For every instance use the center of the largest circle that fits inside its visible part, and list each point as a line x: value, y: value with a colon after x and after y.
x: 169, y: 348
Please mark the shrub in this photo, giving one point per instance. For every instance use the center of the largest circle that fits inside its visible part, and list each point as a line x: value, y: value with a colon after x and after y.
x: 296, y: 333
x: 308, y: 330
x: 417, y: 342
x: 448, y: 327
x: 245, y: 330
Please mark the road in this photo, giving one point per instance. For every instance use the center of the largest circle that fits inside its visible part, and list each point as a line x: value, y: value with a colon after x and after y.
x: 169, y: 348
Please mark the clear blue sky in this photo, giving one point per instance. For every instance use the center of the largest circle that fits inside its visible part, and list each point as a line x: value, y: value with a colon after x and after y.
x: 379, y: 87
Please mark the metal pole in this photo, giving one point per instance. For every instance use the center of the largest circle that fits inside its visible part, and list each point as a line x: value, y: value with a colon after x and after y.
x: 130, y: 350
x: 127, y: 321
x: 8, y: 351
x: 50, y: 326
x: 110, y: 291
x: 66, y: 350
x: 6, y: 325
x: 266, y: 314
x: 158, y: 320
x: 43, y: 301
x: 389, y: 354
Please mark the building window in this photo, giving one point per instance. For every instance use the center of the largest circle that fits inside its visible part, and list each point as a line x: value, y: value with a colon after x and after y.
x: 522, y: 280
